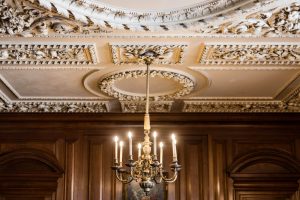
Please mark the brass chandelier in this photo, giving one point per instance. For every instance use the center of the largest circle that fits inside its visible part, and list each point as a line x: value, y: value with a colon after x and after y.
x: 147, y: 170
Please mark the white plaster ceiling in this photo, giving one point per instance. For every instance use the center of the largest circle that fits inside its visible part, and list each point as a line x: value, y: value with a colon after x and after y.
x: 154, y: 5
x: 61, y: 59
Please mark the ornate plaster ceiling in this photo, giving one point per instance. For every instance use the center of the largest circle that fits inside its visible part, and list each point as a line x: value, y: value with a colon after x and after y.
x: 214, y: 56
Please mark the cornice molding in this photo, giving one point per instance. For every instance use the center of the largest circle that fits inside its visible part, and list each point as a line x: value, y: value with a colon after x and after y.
x: 56, y: 107
x: 47, y: 54
x: 289, y: 104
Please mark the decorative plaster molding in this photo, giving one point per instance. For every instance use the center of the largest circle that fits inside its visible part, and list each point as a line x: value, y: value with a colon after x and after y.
x: 57, y: 107
x: 139, y: 106
x: 130, y: 17
x: 218, y: 18
x: 239, y: 54
x: 293, y: 100
x: 25, y: 18
x: 130, y: 53
x: 233, y: 106
x: 39, y: 54
x: 275, y: 22
x: 203, y: 17
x: 290, y: 104
x: 107, y: 84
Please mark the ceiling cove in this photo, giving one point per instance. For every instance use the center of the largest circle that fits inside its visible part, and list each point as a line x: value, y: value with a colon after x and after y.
x: 214, y: 56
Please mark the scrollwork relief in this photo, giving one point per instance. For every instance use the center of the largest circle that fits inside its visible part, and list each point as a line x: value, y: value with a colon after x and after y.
x: 167, y: 54
x: 251, y: 54
x: 47, y: 54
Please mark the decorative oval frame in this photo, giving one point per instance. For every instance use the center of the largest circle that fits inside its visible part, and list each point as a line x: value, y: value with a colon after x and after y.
x: 106, y: 84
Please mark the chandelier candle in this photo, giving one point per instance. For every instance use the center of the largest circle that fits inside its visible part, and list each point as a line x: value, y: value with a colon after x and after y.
x: 116, y: 139
x: 121, y: 152
x: 139, y: 150
x: 161, y: 145
x: 130, y: 145
x: 174, y: 148
x: 146, y: 170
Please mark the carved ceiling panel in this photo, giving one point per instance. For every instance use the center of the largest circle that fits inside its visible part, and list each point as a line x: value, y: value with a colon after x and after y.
x: 45, y: 54
x: 129, y: 53
x: 213, y: 56
x: 262, y: 54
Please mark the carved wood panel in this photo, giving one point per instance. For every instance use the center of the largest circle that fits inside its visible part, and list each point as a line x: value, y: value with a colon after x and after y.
x: 206, y: 152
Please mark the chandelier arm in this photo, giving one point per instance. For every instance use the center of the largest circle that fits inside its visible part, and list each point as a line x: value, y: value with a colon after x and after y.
x: 123, y: 180
x: 169, y: 180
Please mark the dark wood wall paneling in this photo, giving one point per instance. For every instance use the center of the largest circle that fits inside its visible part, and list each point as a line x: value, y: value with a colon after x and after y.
x: 224, y: 156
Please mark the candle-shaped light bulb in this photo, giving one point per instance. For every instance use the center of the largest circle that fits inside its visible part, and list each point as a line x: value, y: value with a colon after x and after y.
x: 173, y: 137
x: 139, y: 150
x: 121, y: 152
x: 161, y: 145
x: 130, y: 145
x: 154, y: 143
x: 116, y: 139
x: 174, y: 148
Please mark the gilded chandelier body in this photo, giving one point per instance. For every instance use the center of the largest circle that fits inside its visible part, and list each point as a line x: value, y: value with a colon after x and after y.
x: 147, y: 170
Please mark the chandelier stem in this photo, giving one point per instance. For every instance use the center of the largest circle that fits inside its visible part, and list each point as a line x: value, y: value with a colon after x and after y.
x: 147, y: 117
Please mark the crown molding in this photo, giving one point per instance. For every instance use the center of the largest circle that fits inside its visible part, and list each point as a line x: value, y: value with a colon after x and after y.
x: 55, y: 106
x: 289, y: 104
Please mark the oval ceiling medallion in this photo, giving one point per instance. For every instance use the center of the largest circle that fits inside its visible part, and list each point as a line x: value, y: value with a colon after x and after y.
x: 131, y: 84
x: 144, y: 15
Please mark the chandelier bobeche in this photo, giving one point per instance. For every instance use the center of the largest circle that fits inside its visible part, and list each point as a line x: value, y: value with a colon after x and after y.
x: 147, y: 170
